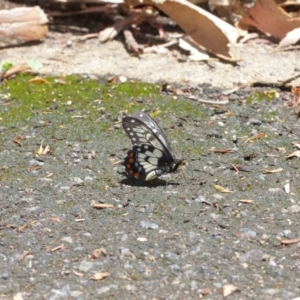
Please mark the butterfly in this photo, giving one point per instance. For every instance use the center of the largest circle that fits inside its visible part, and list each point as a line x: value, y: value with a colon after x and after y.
x: 151, y: 155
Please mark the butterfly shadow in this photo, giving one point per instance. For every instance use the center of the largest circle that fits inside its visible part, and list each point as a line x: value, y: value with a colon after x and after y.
x: 143, y: 183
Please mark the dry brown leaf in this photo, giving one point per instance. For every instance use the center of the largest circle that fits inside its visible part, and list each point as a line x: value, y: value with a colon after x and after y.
x: 100, y: 276
x: 204, y: 28
x: 246, y: 201
x: 289, y: 242
x: 56, y: 219
x: 33, y: 168
x: 38, y: 80
x: 281, y: 150
x: 228, y: 289
x: 40, y: 150
x: 260, y: 135
x: 17, y: 140
x: 296, y: 153
x: 23, y: 255
x: 78, y: 274
x: 269, y: 18
x: 205, y: 291
x: 296, y: 94
x: 60, y: 247
x: 15, y: 70
x: 265, y: 171
x: 221, y: 189
x: 102, y: 206
x: 98, y: 252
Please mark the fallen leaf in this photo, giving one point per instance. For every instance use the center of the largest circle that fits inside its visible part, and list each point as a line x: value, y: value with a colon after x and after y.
x: 296, y: 153
x: 78, y: 274
x: 99, y: 252
x: 34, y: 168
x: 112, y: 79
x: 196, y: 54
x: 289, y: 242
x: 228, y: 289
x: 247, y: 201
x: 61, y: 247
x: 15, y: 70
x: 205, y: 291
x: 269, y: 18
x: 56, y: 219
x: 260, y: 135
x: 265, y: 171
x: 100, y: 276
x: 101, y: 206
x: 17, y: 140
x: 281, y: 150
x: 204, y: 28
x: 221, y: 189
x: 40, y: 150
x: 292, y: 37
x: 38, y: 80
x: 23, y: 255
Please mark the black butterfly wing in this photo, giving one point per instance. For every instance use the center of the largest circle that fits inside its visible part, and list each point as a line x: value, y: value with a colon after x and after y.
x: 151, y: 153
x: 153, y: 128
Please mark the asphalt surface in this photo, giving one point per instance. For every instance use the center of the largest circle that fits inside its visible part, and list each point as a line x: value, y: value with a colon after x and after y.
x: 229, y: 222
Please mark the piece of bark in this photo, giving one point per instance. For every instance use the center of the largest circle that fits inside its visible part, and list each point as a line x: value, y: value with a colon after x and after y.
x: 22, y: 24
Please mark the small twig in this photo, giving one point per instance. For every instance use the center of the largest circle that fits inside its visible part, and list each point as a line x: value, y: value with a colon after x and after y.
x: 168, y: 44
x: 88, y: 36
x: 131, y: 43
x: 119, y: 162
x: 102, y: 8
x: 284, y: 82
x: 235, y: 168
x: 23, y: 255
x: 193, y: 98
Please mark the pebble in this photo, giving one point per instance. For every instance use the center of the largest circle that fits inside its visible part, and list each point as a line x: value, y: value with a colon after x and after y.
x: 148, y: 225
x: 86, y: 266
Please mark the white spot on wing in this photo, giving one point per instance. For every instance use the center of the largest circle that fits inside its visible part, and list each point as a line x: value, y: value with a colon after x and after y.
x: 153, y: 161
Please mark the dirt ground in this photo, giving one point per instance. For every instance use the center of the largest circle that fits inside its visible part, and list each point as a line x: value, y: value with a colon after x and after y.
x: 61, y: 53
